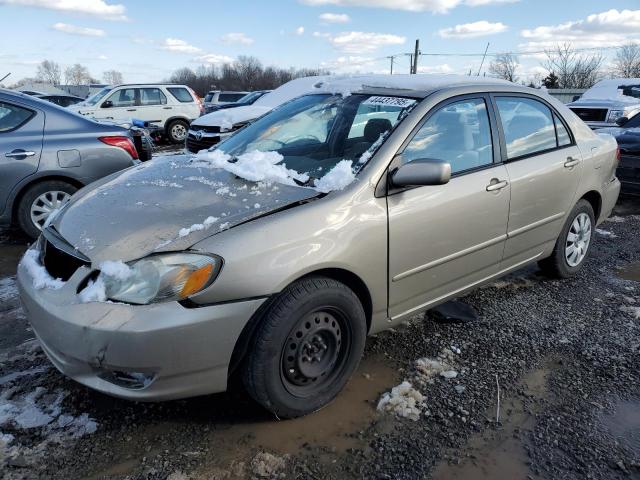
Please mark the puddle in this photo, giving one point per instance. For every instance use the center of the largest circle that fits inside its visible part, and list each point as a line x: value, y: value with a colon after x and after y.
x: 624, y: 424
x: 231, y: 446
x: 500, y: 453
x: 9, y: 257
x: 630, y: 272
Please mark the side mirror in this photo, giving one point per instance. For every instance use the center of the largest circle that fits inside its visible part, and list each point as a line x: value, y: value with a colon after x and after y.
x: 422, y: 171
x: 107, y: 104
x: 620, y: 121
x: 576, y: 97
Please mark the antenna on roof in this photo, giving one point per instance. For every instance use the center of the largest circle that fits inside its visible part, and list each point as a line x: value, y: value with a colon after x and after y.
x: 2, y: 79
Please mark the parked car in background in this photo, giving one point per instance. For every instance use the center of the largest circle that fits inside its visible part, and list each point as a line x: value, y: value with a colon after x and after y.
x: 627, y: 134
x: 217, y: 97
x: 47, y: 153
x: 248, y: 99
x: 608, y: 100
x: 334, y: 216
x: 209, y: 129
x: 62, y: 100
x: 169, y: 107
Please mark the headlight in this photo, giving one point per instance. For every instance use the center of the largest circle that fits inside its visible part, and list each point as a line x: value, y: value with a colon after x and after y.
x: 159, y: 278
x: 614, y: 115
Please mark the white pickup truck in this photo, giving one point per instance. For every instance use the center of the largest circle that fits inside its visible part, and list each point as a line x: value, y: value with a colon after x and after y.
x: 607, y: 101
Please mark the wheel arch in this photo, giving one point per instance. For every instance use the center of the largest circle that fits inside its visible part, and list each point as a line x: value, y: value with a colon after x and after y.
x: 595, y: 199
x: 170, y: 120
x: 350, y: 279
x: 35, y: 181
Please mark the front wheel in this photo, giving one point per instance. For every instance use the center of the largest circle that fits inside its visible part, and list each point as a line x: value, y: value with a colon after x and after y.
x: 306, y: 347
x: 573, y: 245
x: 40, y: 201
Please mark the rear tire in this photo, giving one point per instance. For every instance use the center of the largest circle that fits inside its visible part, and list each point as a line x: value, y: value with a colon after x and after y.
x: 40, y: 199
x: 573, y: 245
x: 177, y: 131
x: 306, y: 347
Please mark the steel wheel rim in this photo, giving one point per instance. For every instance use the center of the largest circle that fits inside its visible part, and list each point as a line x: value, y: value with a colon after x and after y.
x: 178, y: 131
x: 45, y: 204
x: 315, y: 352
x: 578, y: 240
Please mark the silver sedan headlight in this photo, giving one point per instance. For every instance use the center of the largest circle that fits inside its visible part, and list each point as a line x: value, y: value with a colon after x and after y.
x: 159, y: 278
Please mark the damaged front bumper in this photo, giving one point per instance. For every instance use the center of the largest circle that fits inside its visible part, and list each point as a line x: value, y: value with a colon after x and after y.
x: 148, y: 352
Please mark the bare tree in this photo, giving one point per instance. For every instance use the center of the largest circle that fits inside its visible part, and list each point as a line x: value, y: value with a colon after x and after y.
x: 112, y: 77
x: 504, y: 66
x: 627, y: 61
x: 246, y: 73
x: 77, y: 75
x: 49, y: 72
x: 573, y: 69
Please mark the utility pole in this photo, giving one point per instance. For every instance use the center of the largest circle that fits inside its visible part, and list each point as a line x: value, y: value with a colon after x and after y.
x: 483, y: 57
x: 410, y: 63
x: 2, y: 79
x: 391, y: 57
x: 415, y: 57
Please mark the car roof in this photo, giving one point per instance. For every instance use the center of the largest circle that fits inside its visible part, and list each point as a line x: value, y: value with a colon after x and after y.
x: 414, y: 85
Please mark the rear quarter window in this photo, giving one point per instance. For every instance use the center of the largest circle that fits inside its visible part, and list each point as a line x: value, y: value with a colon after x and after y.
x: 230, y: 97
x: 181, y: 94
x: 13, y: 116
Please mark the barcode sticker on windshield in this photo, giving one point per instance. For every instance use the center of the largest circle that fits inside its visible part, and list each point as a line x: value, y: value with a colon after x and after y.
x: 390, y: 101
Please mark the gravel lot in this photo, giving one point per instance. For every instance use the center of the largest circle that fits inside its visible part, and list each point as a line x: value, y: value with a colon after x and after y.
x: 561, y: 359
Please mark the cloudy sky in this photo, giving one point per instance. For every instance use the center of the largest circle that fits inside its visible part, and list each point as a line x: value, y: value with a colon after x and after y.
x: 146, y: 41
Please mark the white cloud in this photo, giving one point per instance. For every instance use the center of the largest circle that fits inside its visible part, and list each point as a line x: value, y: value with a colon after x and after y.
x: 350, y: 64
x: 605, y: 29
x: 179, y: 46
x: 435, y: 6
x: 472, y: 30
x: 334, y: 17
x: 236, y: 38
x: 213, y: 59
x: 359, y: 43
x: 299, y: 30
x: 98, y: 8
x: 76, y: 30
x: 443, y: 68
x: 103, y: 57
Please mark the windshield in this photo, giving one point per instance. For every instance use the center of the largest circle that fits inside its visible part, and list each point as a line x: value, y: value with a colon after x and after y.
x: 98, y: 96
x: 250, y: 97
x: 315, y: 134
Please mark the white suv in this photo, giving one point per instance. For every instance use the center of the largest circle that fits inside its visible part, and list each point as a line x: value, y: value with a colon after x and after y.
x: 170, y: 107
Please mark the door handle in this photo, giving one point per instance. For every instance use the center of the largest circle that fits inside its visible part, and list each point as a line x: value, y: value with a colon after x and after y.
x: 19, y: 153
x: 571, y: 162
x: 496, y: 185
x: 166, y: 108
x: 131, y: 109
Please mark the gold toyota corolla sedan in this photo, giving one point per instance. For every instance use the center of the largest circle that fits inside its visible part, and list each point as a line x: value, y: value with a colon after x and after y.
x: 337, y: 215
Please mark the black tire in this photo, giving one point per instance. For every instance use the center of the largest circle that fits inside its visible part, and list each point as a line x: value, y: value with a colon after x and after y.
x: 557, y: 264
x: 279, y: 369
x: 23, y: 214
x: 171, y: 131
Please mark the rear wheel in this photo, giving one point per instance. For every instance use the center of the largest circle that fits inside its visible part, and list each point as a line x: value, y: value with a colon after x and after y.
x: 306, y: 347
x: 177, y: 131
x: 40, y: 201
x: 573, y: 245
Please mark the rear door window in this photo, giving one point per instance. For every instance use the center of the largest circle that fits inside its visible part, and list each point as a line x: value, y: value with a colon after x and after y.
x: 564, y: 138
x: 527, y: 124
x: 230, y: 97
x: 152, y: 96
x: 181, y: 94
x: 13, y: 116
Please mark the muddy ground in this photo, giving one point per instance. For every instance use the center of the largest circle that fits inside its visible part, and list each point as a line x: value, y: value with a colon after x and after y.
x: 547, y: 386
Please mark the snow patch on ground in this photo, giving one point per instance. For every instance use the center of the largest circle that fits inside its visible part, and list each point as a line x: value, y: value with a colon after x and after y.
x: 606, y: 233
x: 631, y: 310
x: 267, y: 465
x: 337, y: 178
x: 403, y: 400
x: 40, y: 276
x: 8, y: 289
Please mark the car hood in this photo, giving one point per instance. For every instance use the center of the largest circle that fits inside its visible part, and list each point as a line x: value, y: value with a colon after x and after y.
x: 230, y: 116
x: 619, y: 103
x: 167, y: 204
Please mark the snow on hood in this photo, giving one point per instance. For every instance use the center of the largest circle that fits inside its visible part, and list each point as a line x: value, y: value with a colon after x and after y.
x: 230, y: 116
x: 607, y: 90
x: 167, y: 204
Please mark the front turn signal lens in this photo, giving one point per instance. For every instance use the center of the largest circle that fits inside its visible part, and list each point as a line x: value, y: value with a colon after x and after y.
x: 197, y: 281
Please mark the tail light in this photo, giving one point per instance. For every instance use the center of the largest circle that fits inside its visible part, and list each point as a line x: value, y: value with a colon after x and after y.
x: 198, y: 99
x: 122, y: 142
